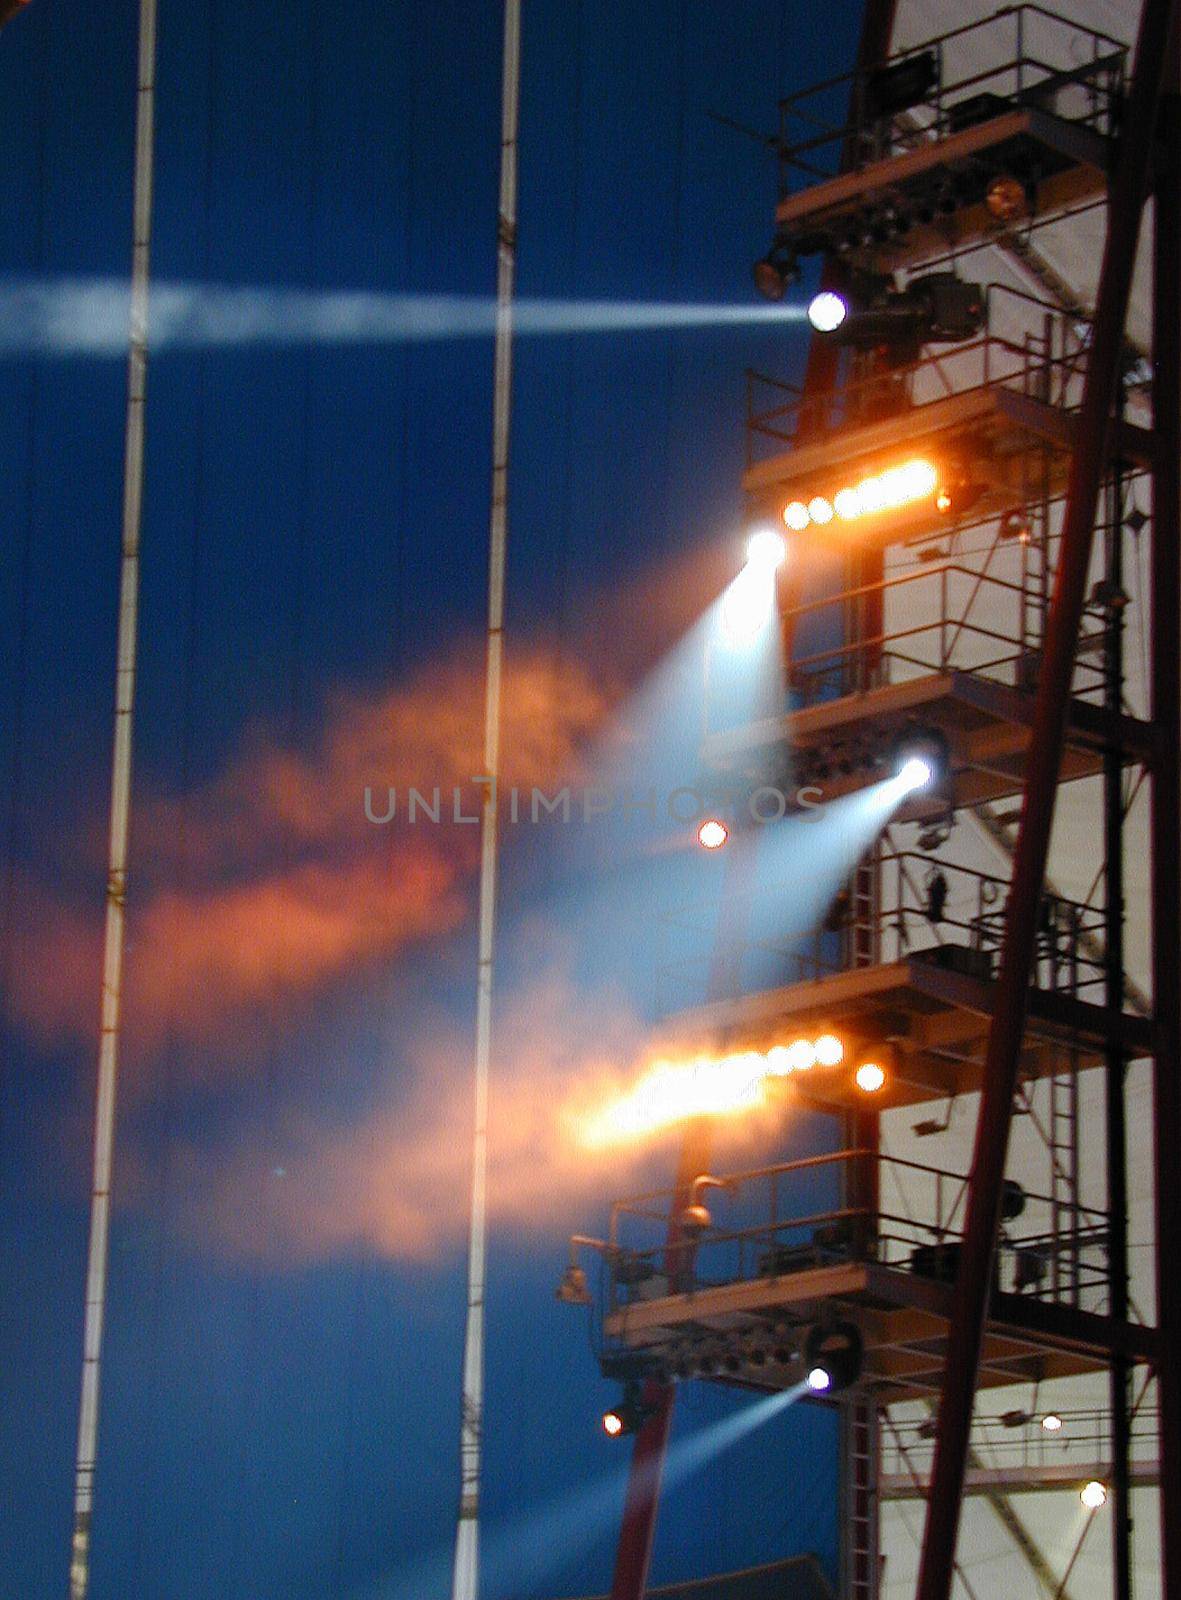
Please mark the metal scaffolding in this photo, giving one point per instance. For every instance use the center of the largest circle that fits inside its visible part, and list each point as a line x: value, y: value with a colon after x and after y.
x: 973, y: 618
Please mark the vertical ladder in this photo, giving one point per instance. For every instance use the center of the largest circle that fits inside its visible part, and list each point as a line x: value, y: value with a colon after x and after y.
x: 860, y: 1544
x: 1064, y: 1182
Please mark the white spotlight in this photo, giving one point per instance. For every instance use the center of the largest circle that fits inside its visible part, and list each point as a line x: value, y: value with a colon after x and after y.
x: 914, y: 774
x: 712, y: 834
x: 749, y: 604
x: 766, y: 549
x: 1093, y: 1495
x: 819, y: 1379
x: 827, y: 311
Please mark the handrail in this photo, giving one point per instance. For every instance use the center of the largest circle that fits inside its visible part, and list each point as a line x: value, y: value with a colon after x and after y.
x: 1035, y: 78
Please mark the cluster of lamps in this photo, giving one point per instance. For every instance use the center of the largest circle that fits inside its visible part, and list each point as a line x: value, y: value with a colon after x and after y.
x: 830, y: 1360
x: 880, y: 491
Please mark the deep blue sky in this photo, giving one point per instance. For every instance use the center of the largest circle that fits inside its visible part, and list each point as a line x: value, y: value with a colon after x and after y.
x: 316, y: 521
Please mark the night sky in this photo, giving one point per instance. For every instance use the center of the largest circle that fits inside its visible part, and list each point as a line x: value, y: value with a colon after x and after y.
x: 280, y: 1404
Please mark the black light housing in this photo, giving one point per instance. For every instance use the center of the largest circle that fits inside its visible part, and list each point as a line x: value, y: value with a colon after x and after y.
x: 900, y: 85
x: 628, y: 1416
x: 940, y: 308
x: 775, y: 271
x: 832, y: 1357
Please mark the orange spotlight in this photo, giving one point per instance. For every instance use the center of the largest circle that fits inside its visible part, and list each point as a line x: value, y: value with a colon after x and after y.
x: 802, y: 1055
x: 612, y: 1424
x: 830, y: 1052
x: 870, y: 1077
x: 712, y: 834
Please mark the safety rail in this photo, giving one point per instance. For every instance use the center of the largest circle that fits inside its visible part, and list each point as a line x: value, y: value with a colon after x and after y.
x: 1034, y: 59
x: 1018, y: 1442
x: 960, y: 923
x: 938, y: 617
x: 1045, y: 366
x: 1047, y: 1251
x: 924, y: 899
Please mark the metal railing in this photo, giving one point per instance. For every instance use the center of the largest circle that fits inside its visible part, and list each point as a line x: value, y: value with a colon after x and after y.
x: 790, y: 1218
x: 1016, y: 1442
x: 912, y: 914
x: 1037, y: 59
x: 1047, y: 366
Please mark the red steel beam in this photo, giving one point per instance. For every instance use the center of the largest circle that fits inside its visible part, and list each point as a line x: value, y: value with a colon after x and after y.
x: 1088, y: 467
x: 1166, y: 804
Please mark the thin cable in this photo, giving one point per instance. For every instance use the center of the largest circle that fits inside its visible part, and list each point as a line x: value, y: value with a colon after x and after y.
x: 465, y: 1579
x: 108, y: 1061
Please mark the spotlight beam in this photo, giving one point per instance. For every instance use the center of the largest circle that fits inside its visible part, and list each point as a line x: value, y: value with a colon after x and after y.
x: 89, y: 317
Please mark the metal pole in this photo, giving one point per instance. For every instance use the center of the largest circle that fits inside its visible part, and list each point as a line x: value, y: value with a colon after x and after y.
x: 1115, y: 1066
x: 116, y: 897
x: 465, y: 1578
x: 1166, y: 806
x: 1088, y: 465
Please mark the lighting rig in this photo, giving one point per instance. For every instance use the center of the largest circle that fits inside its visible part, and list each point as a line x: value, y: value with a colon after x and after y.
x: 836, y: 1303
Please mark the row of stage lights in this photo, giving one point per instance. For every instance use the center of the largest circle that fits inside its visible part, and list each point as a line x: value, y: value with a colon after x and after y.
x: 884, y: 491
x: 912, y: 772
x: 672, y: 1091
x: 829, y: 1360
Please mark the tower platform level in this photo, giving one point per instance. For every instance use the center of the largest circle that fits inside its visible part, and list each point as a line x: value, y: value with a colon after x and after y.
x: 790, y: 1250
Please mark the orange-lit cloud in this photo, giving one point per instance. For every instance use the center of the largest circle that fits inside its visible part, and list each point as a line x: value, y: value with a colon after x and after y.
x: 274, y: 882
x: 399, y: 1181
x: 267, y: 884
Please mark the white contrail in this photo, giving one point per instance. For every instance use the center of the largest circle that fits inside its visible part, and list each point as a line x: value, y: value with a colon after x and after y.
x: 88, y: 317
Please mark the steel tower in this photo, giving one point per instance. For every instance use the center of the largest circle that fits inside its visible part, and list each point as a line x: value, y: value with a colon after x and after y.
x: 977, y: 461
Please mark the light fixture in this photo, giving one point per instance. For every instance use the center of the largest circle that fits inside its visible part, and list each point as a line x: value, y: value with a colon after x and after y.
x: 749, y: 602
x: 870, y: 1077
x: 712, y: 834
x: 958, y: 493
x: 1006, y: 198
x: 775, y: 271
x: 830, y: 1052
x: 1015, y: 525
x: 1052, y: 1422
x: 832, y: 1357
x: 827, y: 310
x: 674, y: 1091
x: 628, y: 1416
x: 900, y: 84
x: 914, y: 773
x: 939, y: 308
x: 920, y: 758
x: 890, y: 490
x: 573, y: 1289
x: 766, y: 549
x: 801, y: 1054
x: 1093, y: 1494
x: 695, y: 1218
